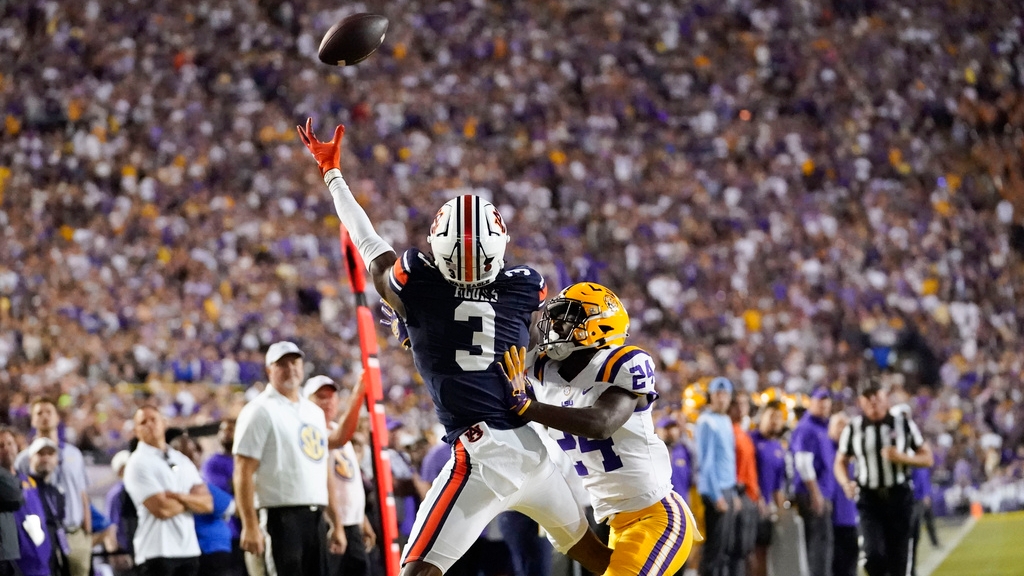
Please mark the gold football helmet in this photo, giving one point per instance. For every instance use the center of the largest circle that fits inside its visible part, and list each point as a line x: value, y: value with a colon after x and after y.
x: 583, y: 315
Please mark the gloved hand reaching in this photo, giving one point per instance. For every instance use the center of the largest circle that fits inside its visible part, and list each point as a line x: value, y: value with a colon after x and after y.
x: 514, y: 369
x: 326, y: 154
x: 398, y: 328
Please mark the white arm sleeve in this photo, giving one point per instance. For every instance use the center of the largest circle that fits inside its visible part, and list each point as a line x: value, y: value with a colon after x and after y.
x: 805, y: 465
x: 369, y: 244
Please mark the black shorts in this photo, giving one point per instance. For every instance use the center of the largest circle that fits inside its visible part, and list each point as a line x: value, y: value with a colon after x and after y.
x: 764, y: 532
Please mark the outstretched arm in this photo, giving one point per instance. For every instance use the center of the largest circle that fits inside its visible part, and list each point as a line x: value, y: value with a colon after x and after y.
x: 598, y: 422
x: 350, y: 420
x: 377, y: 253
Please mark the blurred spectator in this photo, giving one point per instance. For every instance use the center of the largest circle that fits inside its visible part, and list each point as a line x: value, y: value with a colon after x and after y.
x: 43, y: 463
x: 70, y: 478
x: 167, y: 491
x: 212, y: 529
x: 846, y: 548
x: 813, y: 457
x: 671, y: 434
x: 747, y: 485
x: 24, y: 548
x: 716, y: 483
x: 122, y: 513
x: 218, y: 471
x: 282, y: 486
x: 348, y: 482
x: 771, y: 478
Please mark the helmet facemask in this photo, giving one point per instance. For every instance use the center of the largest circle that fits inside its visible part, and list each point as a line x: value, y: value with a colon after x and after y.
x: 595, y: 318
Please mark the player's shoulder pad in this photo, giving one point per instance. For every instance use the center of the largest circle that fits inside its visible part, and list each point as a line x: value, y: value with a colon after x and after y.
x: 412, y: 263
x: 629, y: 367
x: 528, y: 279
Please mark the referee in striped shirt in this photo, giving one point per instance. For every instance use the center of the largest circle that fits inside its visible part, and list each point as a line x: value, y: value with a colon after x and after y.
x: 884, y: 444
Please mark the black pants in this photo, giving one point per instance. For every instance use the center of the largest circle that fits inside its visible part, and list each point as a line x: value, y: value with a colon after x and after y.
x: 530, y: 552
x: 923, y: 515
x: 9, y: 568
x: 720, y: 528
x: 169, y: 567
x: 354, y: 562
x: 818, y: 536
x: 845, y: 551
x: 219, y: 564
x: 295, y: 542
x: 885, y: 519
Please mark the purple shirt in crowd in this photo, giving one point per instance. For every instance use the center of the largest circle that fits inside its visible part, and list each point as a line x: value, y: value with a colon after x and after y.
x: 219, y: 470
x: 811, y: 436
x: 35, y: 560
x: 844, y: 510
x: 771, y: 465
x: 434, y: 461
x: 922, y: 479
x: 682, y: 470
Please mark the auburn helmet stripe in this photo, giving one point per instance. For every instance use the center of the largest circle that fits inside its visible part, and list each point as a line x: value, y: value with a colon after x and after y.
x: 614, y: 362
x: 469, y: 209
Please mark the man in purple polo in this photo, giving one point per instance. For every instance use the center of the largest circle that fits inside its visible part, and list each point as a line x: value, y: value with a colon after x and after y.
x: 813, y: 456
x: 846, y: 549
x: 771, y: 477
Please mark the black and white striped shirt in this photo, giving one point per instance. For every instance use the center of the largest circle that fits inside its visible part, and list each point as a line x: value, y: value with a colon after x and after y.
x: 864, y: 440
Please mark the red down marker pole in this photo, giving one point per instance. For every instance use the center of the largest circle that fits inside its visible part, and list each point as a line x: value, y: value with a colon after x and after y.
x: 375, y: 402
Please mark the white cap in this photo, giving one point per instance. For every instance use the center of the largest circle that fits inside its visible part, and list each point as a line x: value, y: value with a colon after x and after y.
x: 40, y: 443
x: 119, y: 461
x: 317, y: 382
x: 281, y: 349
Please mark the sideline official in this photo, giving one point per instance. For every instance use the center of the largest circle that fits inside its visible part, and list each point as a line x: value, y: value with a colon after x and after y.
x: 281, y: 471
x: 884, y: 444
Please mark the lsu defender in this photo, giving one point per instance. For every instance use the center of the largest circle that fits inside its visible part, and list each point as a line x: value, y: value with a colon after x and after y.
x: 461, y: 305
x: 594, y: 393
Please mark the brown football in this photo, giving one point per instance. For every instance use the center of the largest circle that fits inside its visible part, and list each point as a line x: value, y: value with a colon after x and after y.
x: 353, y: 39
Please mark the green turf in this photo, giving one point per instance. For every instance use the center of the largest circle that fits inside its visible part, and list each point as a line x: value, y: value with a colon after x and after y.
x: 995, y: 547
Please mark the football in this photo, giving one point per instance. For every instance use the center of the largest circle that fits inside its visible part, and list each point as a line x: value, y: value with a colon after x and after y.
x: 353, y: 39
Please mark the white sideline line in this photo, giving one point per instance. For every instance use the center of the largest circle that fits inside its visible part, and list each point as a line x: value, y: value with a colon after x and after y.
x: 936, y: 560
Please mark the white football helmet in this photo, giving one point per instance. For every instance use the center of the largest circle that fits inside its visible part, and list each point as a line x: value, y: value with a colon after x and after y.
x: 468, y: 239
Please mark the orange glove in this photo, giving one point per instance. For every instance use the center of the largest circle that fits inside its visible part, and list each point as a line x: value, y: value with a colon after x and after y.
x: 326, y: 154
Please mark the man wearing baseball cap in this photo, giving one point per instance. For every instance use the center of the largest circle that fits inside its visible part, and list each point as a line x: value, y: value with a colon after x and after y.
x: 281, y: 479
x: 813, y: 456
x: 716, y: 479
x: 348, y: 479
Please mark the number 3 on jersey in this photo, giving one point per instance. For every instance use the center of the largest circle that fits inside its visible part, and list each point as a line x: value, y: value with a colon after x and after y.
x: 470, y: 360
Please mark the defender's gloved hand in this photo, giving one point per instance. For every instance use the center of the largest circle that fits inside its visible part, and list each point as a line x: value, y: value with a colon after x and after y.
x: 398, y: 328
x: 514, y: 369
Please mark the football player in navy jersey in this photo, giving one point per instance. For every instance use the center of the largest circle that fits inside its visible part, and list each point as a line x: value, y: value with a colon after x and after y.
x: 462, y: 305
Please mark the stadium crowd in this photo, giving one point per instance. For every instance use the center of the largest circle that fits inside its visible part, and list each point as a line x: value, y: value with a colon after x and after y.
x: 785, y: 193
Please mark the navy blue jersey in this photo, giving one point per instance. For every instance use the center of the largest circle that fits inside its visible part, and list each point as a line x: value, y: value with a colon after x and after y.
x: 458, y: 333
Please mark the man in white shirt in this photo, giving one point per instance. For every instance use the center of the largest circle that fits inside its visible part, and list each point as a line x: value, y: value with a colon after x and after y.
x: 348, y: 480
x: 281, y: 471
x: 166, y: 489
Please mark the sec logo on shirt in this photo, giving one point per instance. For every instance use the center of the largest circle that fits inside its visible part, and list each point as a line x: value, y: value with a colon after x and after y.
x: 312, y: 442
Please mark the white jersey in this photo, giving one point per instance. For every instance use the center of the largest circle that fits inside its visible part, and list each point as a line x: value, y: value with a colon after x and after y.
x: 631, y: 470
x: 348, y: 483
x: 290, y: 441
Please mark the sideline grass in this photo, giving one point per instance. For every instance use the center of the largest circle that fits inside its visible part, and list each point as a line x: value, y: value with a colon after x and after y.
x: 995, y: 547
